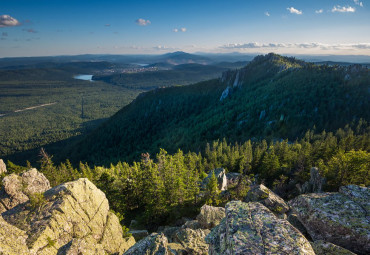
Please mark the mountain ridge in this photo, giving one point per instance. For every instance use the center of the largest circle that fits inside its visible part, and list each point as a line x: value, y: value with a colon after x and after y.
x: 275, y: 98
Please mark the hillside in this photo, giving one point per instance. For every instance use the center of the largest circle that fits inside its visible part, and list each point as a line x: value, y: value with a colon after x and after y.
x: 273, y: 97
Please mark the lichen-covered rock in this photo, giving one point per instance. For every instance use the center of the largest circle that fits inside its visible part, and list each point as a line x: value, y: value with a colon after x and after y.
x: 154, y: 244
x: 74, y: 210
x: 251, y: 228
x: 81, y: 247
x: 12, y: 239
x: 2, y: 167
x: 169, y: 232
x: 176, y: 249
x: 324, y: 248
x: 294, y: 220
x: 210, y: 216
x: 34, y: 182
x: 17, y: 189
x: 193, y: 224
x: 139, y: 234
x: 193, y: 240
x: 260, y: 193
x: 359, y: 195
x: 337, y: 218
x: 220, y: 174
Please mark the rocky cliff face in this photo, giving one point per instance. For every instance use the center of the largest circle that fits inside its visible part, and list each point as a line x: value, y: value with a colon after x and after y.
x: 72, y: 218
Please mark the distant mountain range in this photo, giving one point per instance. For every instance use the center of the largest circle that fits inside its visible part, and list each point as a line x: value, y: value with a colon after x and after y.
x: 273, y: 97
x: 174, y: 58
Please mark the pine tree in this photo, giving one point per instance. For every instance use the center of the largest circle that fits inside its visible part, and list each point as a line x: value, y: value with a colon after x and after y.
x: 212, y: 190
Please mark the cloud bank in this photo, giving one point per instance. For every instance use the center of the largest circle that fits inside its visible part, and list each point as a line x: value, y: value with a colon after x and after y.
x: 320, y: 46
x: 339, y: 8
x: 8, y: 21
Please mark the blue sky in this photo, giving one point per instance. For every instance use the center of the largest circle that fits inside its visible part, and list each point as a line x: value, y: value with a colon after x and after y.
x: 54, y: 27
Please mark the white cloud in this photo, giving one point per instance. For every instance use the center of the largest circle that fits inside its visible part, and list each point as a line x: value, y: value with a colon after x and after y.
x: 143, y: 22
x: 357, y: 2
x: 294, y: 10
x: 267, y: 14
x: 339, y: 8
x: 183, y: 29
x: 319, y: 11
x: 107, y: 25
x: 313, y: 45
x: 8, y: 21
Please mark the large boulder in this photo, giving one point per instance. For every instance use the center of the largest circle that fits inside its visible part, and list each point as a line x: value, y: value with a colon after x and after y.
x: 193, y: 240
x: 324, y: 248
x: 220, y: 174
x: 70, y: 214
x: 340, y: 218
x: 251, y: 228
x: 210, y: 216
x: 12, y: 239
x: 2, y: 167
x: 17, y: 189
x: 260, y: 193
x: 154, y: 244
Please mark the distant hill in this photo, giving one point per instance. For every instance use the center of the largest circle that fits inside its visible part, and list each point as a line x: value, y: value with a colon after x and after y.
x: 273, y: 97
x: 167, y: 75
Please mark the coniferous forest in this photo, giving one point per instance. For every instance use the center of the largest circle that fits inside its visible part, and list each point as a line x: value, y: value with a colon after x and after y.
x: 277, y: 119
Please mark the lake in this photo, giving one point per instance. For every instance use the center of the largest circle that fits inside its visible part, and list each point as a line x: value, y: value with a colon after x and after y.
x: 85, y: 77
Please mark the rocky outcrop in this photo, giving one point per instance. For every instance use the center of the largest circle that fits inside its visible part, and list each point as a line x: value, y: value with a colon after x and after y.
x: 169, y: 232
x: 251, y: 228
x: 17, y: 189
x: 232, y: 179
x: 325, y: 248
x: 193, y: 240
x: 340, y: 218
x: 315, y: 184
x: 193, y: 224
x: 72, y: 217
x: 220, y: 174
x: 2, y: 167
x: 210, y: 216
x: 260, y: 193
x: 153, y: 244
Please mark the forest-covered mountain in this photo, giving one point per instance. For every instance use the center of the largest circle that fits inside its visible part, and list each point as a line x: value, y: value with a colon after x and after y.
x: 273, y: 97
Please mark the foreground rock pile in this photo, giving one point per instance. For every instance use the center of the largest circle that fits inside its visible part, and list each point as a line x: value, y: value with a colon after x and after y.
x: 323, y: 224
x: 72, y: 218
